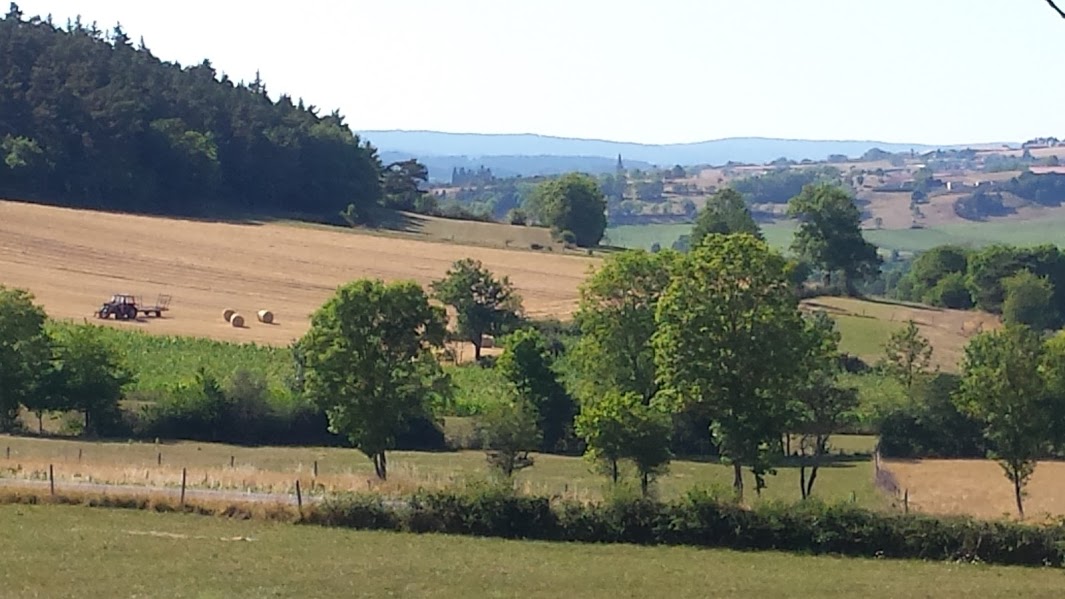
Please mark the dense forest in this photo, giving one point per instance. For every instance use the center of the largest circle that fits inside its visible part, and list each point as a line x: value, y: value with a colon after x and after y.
x: 90, y: 119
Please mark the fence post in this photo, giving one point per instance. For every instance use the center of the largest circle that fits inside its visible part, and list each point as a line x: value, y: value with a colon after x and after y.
x: 51, y: 480
x: 159, y: 459
x: 230, y: 461
x: 9, y: 452
x: 906, y: 502
x: 183, y: 474
x: 316, y: 469
x: 299, y: 498
x: 79, y: 454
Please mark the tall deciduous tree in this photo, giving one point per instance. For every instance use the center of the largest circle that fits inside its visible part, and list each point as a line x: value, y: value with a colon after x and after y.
x: 401, y: 183
x: 830, y: 234
x: 572, y: 203
x: 623, y: 426
x: 731, y: 340
x: 1029, y: 301
x: 1003, y: 387
x: 725, y: 212
x: 368, y: 362
x: 25, y: 352
x: 90, y: 376
x: 509, y: 432
x: 528, y: 366
x: 908, y: 355
x: 616, y: 317
x: 483, y: 304
x: 821, y: 406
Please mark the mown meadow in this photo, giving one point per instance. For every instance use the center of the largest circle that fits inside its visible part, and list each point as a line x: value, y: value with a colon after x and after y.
x: 160, y: 555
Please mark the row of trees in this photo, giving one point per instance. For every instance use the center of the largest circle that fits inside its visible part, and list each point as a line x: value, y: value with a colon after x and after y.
x: 829, y: 236
x: 717, y: 332
x: 44, y: 372
x: 1009, y: 400
x: 1025, y: 285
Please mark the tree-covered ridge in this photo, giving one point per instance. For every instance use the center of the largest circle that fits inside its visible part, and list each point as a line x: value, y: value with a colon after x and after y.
x: 89, y: 119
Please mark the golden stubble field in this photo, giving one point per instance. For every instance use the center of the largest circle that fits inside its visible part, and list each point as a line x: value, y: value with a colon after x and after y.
x: 73, y: 260
x: 978, y: 488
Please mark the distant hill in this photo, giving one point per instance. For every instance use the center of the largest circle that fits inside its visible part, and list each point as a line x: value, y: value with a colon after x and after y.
x: 440, y: 167
x: 525, y: 153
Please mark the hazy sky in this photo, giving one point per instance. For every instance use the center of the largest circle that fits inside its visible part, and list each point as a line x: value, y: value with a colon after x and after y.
x: 921, y: 71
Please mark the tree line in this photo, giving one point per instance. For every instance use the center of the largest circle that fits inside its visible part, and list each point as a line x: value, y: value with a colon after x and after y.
x: 90, y: 119
x: 1026, y: 285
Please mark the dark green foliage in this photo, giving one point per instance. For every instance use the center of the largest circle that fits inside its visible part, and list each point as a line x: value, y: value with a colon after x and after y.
x: 508, y: 431
x: 725, y: 212
x: 90, y: 120
x: 932, y: 266
x: 89, y: 377
x: 830, y: 234
x: 369, y: 363
x: 483, y: 304
x: 990, y: 267
x: 779, y: 186
x: 240, y: 411
x: 572, y: 203
x: 25, y: 353
x: 400, y: 183
x: 1047, y: 189
x: 701, y: 519
x: 527, y: 364
x: 930, y: 426
x: 950, y: 292
x: 982, y: 204
x: 1028, y: 301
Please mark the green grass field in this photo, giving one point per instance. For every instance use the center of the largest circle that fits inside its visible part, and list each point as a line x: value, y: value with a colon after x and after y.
x: 55, y: 551
x: 160, y: 361
x: 1032, y: 232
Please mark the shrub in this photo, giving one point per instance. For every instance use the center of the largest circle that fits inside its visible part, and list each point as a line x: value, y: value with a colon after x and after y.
x: 950, y: 292
x: 518, y: 217
x: 704, y: 519
x: 931, y: 426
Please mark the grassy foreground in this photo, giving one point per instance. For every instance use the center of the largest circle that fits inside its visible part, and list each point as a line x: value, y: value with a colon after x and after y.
x: 117, y: 553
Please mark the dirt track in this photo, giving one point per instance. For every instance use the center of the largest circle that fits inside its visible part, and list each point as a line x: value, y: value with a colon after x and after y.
x: 73, y: 260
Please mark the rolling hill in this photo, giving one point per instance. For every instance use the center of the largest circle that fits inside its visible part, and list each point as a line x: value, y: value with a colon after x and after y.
x: 526, y: 152
x: 72, y: 260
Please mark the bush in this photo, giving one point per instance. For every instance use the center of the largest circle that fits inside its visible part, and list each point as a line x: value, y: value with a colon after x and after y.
x: 703, y: 519
x: 931, y: 426
x: 518, y: 217
x: 950, y: 292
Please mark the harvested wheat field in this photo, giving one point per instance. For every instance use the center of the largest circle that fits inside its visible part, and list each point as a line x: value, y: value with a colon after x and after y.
x: 73, y: 260
x: 978, y: 488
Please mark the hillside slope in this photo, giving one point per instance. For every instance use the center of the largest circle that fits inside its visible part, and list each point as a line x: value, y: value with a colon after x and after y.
x: 73, y: 260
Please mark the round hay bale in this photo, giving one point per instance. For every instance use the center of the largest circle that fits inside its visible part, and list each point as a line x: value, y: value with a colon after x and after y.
x: 227, y: 314
x: 266, y: 316
x: 237, y: 321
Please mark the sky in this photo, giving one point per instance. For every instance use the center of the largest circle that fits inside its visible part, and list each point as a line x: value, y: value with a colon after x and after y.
x: 662, y: 71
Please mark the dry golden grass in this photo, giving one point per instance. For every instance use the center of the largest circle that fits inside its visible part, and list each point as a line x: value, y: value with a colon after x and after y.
x: 979, y: 488
x: 275, y: 470
x: 72, y: 260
